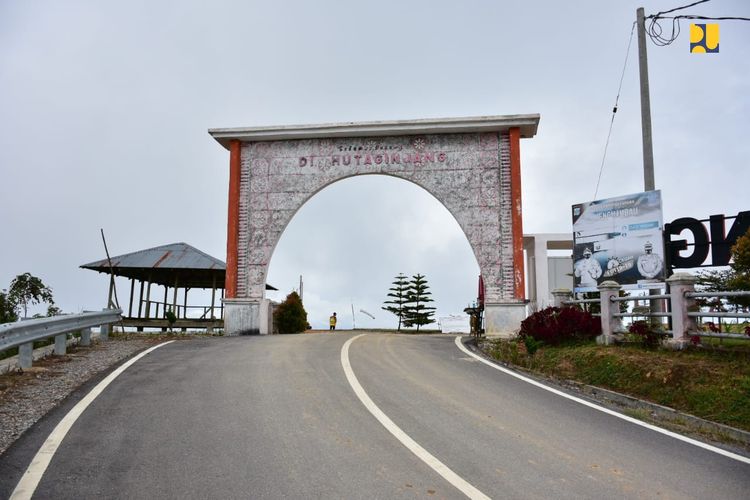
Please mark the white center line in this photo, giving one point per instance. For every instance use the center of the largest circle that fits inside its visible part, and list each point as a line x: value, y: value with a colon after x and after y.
x: 602, y: 409
x: 33, y: 475
x: 436, y: 465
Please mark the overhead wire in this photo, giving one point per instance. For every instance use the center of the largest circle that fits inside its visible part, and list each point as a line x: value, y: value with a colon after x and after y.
x: 614, y: 111
x: 655, y: 31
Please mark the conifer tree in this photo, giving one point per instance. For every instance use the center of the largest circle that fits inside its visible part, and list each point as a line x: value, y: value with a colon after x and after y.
x: 417, y: 312
x: 399, y: 294
x: 290, y: 316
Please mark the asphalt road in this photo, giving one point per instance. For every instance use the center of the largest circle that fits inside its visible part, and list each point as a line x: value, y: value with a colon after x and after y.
x: 275, y: 417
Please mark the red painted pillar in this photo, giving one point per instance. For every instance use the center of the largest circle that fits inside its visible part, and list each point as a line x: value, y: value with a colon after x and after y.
x: 233, y: 219
x: 515, y: 194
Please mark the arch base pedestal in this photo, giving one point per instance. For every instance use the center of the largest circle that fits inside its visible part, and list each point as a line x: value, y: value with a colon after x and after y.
x: 503, y: 319
x: 241, y: 317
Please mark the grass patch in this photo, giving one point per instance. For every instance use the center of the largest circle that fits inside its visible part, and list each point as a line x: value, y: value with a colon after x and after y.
x: 711, y: 382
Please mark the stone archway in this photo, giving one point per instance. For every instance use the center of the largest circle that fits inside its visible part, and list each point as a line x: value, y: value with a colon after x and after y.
x: 471, y: 165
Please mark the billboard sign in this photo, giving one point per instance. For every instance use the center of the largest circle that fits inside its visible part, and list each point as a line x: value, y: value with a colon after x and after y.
x: 618, y: 239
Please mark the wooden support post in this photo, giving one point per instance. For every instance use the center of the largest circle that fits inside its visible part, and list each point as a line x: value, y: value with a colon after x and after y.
x: 140, y: 301
x: 111, y: 291
x: 148, y: 299
x: 184, y: 306
x: 213, y: 296
x: 174, y: 296
x: 132, y: 290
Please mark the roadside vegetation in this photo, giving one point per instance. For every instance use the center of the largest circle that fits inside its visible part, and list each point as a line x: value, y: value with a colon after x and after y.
x: 710, y: 379
x: 290, y: 316
x: 25, y: 290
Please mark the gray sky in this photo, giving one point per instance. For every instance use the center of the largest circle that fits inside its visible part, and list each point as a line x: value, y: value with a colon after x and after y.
x: 105, y: 107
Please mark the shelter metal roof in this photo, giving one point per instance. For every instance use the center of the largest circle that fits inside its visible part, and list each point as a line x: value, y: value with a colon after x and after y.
x: 176, y: 264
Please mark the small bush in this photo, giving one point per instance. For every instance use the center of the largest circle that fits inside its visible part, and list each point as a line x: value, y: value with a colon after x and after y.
x: 532, y: 345
x: 171, y: 318
x: 644, y: 333
x: 290, y: 315
x: 555, y: 325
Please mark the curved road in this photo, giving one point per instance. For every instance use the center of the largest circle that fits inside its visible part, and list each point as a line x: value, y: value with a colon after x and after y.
x: 276, y: 417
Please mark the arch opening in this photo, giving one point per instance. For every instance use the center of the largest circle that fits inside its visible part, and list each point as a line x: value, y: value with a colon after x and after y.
x: 350, y: 239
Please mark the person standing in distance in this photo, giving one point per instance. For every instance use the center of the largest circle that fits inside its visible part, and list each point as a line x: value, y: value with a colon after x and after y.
x: 332, y: 321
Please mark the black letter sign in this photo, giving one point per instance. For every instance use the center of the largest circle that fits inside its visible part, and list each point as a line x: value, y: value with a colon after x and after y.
x: 721, y: 245
x: 700, y: 236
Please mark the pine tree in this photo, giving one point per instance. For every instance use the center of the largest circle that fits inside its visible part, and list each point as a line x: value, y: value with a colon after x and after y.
x: 399, y: 294
x: 416, y: 311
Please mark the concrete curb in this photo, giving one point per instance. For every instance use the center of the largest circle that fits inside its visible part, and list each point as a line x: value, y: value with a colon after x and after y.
x: 619, y: 402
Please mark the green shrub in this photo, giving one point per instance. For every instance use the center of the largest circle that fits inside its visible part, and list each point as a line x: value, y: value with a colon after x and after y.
x: 555, y: 325
x: 290, y: 315
x: 645, y: 334
x: 170, y: 317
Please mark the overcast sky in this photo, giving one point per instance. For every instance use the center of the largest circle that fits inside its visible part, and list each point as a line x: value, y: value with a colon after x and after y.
x: 105, y: 106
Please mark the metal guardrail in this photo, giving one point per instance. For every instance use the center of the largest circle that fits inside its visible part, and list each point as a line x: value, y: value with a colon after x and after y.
x: 23, y: 334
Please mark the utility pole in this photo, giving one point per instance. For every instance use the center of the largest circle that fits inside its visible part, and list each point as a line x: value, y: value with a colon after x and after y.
x: 648, y: 147
x: 300, y: 289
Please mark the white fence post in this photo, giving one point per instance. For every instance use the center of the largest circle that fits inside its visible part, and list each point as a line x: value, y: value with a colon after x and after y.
x: 682, y: 324
x: 610, y: 323
x: 561, y: 295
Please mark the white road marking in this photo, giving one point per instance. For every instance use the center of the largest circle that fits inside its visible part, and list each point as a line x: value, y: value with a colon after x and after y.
x: 30, y: 480
x: 686, y: 439
x: 438, y: 466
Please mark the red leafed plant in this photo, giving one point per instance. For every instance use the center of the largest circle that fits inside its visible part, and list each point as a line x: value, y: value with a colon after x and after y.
x: 646, y: 334
x: 555, y: 325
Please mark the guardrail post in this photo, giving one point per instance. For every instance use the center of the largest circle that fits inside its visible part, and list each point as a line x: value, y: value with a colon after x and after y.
x: 682, y: 324
x: 25, y: 355
x: 610, y: 323
x: 85, y: 337
x: 104, y: 333
x: 560, y: 296
x: 61, y: 344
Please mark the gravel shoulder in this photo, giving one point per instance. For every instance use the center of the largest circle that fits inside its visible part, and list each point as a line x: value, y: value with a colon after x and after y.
x: 28, y: 395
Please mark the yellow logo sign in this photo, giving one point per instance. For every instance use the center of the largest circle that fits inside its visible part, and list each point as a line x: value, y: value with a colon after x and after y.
x: 704, y: 38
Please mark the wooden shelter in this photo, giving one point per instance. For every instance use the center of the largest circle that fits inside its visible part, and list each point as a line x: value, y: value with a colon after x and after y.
x: 178, y: 266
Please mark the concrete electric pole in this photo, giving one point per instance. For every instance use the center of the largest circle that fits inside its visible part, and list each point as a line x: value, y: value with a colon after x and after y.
x: 648, y: 147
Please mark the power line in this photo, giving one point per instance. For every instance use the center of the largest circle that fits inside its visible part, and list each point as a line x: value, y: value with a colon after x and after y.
x: 656, y: 32
x: 680, y: 8
x: 614, y: 110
